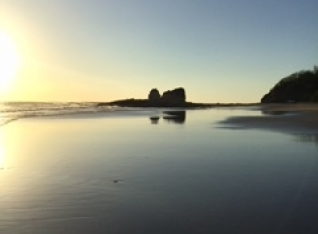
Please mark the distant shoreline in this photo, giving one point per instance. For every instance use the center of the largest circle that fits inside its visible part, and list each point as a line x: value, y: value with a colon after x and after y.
x: 145, y: 103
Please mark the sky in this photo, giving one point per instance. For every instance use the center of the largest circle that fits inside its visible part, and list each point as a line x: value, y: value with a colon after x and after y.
x: 104, y: 50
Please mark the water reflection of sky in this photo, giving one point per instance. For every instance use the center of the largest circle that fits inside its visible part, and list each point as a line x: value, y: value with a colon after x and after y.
x: 171, y: 116
x: 170, y: 177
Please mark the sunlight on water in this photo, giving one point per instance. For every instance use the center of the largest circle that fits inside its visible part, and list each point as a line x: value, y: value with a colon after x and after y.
x: 139, y: 171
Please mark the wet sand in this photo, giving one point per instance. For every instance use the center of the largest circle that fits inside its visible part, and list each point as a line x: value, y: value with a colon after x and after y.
x: 291, y: 118
x: 117, y: 172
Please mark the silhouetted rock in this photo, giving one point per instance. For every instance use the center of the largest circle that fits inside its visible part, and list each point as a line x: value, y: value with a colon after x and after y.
x: 298, y: 87
x: 176, y: 97
x: 154, y: 96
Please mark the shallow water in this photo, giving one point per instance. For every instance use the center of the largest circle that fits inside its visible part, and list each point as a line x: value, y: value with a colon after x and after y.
x: 152, y: 172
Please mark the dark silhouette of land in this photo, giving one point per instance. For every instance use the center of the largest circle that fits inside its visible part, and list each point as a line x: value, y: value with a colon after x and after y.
x: 188, y: 105
x: 145, y: 103
x: 301, y: 86
x: 298, y: 87
x: 170, y: 98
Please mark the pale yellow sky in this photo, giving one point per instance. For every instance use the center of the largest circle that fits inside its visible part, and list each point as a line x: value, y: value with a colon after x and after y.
x: 80, y: 50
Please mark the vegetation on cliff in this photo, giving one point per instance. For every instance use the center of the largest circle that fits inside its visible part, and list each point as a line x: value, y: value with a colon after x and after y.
x: 301, y: 86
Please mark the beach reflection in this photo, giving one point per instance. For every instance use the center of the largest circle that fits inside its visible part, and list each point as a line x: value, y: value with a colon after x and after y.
x: 270, y: 112
x: 307, y: 138
x: 154, y: 119
x: 176, y: 117
x: 79, y: 174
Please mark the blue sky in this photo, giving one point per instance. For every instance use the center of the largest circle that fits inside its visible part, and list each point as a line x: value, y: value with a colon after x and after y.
x: 101, y: 50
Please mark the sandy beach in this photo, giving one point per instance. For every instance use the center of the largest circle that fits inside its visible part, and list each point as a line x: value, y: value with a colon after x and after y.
x: 158, y: 171
x: 290, y: 118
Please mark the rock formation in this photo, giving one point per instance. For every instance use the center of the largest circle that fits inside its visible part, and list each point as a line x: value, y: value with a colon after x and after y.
x: 154, y: 96
x: 176, y: 97
x: 170, y: 98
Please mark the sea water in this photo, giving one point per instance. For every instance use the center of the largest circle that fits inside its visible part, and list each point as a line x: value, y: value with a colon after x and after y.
x: 154, y: 171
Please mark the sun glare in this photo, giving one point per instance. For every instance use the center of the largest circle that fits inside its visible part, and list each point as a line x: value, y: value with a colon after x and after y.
x: 1, y: 158
x: 1, y: 153
x: 9, y: 62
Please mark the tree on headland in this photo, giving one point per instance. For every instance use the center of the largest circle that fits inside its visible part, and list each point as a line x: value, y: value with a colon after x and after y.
x: 314, y: 97
x: 301, y: 86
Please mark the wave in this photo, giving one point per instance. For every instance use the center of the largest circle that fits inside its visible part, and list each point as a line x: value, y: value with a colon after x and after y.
x: 10, y: 111
x: 6, y: 121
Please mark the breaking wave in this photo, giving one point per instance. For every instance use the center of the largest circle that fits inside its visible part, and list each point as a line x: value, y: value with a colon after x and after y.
x: 10, y: 111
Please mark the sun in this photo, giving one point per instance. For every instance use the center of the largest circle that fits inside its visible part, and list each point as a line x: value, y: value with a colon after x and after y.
x: 9, y: 62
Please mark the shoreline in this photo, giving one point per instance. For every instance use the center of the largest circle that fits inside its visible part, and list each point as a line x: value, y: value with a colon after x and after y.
x: 289, y: 118
x: 144, y: 103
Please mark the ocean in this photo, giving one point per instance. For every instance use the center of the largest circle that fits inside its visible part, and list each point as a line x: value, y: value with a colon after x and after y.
x: 15, y: 110
x: 78, y: 168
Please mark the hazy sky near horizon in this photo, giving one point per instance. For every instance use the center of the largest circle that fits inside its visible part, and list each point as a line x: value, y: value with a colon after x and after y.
x: 101, y: 50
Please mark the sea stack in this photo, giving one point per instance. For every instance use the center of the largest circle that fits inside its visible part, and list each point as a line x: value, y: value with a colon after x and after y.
x: 170, y: 98
x: 154, y: 96
x: 176, y: 97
